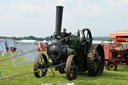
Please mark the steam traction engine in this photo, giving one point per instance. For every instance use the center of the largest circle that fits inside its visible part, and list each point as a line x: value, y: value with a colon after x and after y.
x: 70, y: 54
x: 117, y: 51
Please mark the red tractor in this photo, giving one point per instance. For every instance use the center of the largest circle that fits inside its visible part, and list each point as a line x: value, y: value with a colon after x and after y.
x: 116, y: 52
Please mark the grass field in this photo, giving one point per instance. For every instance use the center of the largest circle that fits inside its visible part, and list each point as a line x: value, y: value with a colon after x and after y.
x: 7, y: 69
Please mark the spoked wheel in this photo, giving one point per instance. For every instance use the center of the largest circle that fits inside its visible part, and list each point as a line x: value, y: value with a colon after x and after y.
x: 85, y: 39
x: 39, y: 64
x: 95, y: 60
x: 71, y: 69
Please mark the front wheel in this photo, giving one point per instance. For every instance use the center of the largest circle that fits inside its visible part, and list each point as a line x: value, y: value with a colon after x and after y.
x: 40, y: 64
x: 71, y: 69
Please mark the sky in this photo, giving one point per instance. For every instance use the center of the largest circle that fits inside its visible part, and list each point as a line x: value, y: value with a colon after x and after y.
x: 21, y: 18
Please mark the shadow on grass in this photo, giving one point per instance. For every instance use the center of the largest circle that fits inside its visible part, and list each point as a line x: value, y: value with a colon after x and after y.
x: 113, y: 75
x: 116, y: 75
x: 105, y: 75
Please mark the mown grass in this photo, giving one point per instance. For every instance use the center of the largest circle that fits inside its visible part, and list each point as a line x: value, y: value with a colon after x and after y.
x: 7, y: 69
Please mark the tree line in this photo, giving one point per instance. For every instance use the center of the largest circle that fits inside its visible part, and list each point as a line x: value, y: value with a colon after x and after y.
x: 49, y: 38
x: 29, y: 38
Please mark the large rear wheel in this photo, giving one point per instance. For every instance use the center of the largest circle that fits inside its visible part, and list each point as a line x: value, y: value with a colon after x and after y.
x: 95, y: 60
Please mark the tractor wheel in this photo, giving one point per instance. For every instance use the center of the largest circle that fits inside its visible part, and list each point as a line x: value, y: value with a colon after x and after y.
x: 39, y: 65
x: 95, y: 60
x: 111, y: 66
x: 71, y: 69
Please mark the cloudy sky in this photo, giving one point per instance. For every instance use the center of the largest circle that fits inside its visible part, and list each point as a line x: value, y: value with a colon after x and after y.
x: 37, y: 17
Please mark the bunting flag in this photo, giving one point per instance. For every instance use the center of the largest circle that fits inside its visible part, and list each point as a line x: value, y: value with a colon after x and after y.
x: 26, y: 50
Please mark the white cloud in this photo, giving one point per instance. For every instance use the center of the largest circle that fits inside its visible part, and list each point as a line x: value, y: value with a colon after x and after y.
x: 37, y: 18
x: 117, y: 3
x: 26, y: 19
x: 26, y: 7
x: 95, y: 11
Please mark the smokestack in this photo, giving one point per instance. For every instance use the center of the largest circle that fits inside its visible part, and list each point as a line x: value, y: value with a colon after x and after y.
x: 59, y: 14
